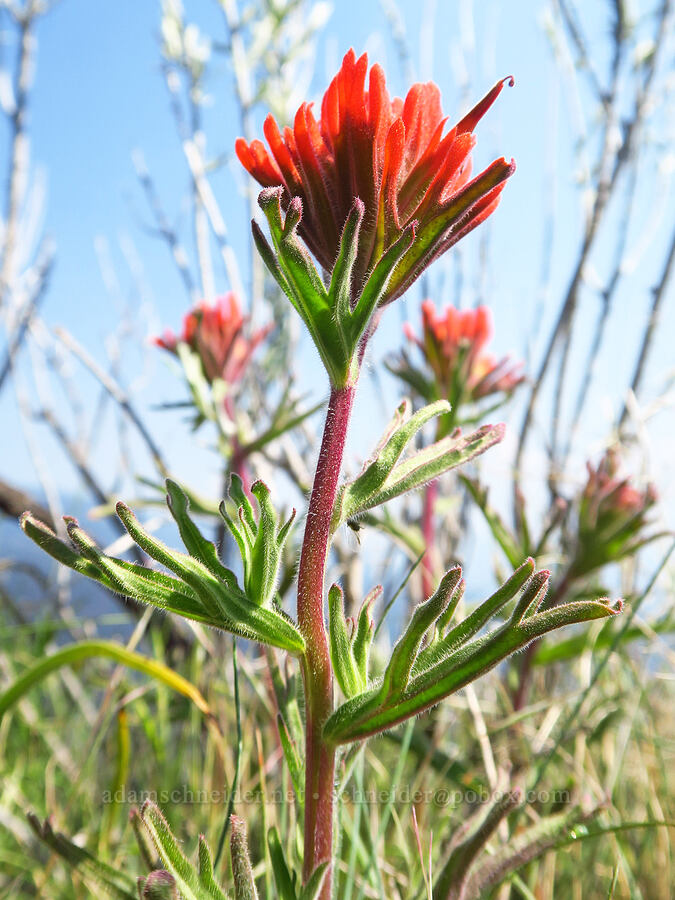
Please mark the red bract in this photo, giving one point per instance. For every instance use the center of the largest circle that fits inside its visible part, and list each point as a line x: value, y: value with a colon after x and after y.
x: 607, y: 498
x: 612, y: 517
x: 393, y: 155
x: 215, y: 333
x: 452, y: 345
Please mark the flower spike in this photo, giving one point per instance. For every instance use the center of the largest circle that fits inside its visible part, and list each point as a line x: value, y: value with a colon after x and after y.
x: 376, y: 191
x: 393, y: 155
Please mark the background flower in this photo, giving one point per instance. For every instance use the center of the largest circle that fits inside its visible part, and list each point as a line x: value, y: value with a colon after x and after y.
x: 612, y: 516
x: 216, y: 334
x: 455, y: 368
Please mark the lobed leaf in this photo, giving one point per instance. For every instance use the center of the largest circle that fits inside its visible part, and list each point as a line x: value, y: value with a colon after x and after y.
x: 460, y: 658
x: 383, y: 479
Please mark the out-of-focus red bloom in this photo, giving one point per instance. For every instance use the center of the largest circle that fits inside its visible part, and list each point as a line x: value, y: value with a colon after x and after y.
x: 612, y: 516
x: 215, y: 333
x: 452, y: 344
x: 607, y: 497
x: 393, y: 155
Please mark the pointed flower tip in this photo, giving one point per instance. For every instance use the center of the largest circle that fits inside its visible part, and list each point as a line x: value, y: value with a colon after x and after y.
x: 70, y: 522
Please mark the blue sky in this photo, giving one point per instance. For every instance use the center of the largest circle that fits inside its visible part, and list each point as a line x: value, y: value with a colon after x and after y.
x: 99, y: 95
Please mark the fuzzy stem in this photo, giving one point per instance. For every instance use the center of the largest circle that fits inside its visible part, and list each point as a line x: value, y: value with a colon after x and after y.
x: 429, y: 534
x: 316, y: 670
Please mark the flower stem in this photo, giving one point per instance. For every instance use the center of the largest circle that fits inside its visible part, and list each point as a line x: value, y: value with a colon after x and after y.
x: 316, y: 670
x: 429, y: 534
x: 522, y: 691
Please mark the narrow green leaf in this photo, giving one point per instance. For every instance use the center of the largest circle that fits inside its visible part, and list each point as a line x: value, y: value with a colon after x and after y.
x: 405, y: 652
x: 532, y: 596
x: 45, y: 538
x: 205, y: 871
x: 146, y: 848
x: 339, y: 292
x: 282, y: 875
x: 363, y: 636
x: 431, y: 462
x: 366, y: 714
x: 265, y: 553
x: 422, y: 467
x: 195, y: 543
x: 283, y: 532
x: 302, y: 283
x: 105, y: 880
x: 241, y: 501
x: 477, y: 619
x: 205, y: 585
x: 291, y: 756
x: 312, y: 889
x: 140, y: 583
x: 269, y: 258
x: 235, y: 610
x: 379, y: 280
x: 107, y: 649
x: 446, y: 616
x: 344, y: 666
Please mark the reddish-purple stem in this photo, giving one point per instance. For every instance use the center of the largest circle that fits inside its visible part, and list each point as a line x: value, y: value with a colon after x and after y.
x: 317, y: 673
x: 429, y: 535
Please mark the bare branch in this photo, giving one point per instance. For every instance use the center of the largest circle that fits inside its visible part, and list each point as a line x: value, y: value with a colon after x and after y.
x: 658, y: 294
x: 116, y: 392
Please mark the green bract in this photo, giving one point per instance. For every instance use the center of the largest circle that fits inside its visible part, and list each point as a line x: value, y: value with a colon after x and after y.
x: 337, y: 317
x: 204, y: 590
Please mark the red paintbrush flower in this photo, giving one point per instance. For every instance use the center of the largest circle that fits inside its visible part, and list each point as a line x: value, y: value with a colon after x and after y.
x: 612, y: 516
x: 215, y: 334
x: 393, y: 156
x: 608, y: 498
x: 458, y: 370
